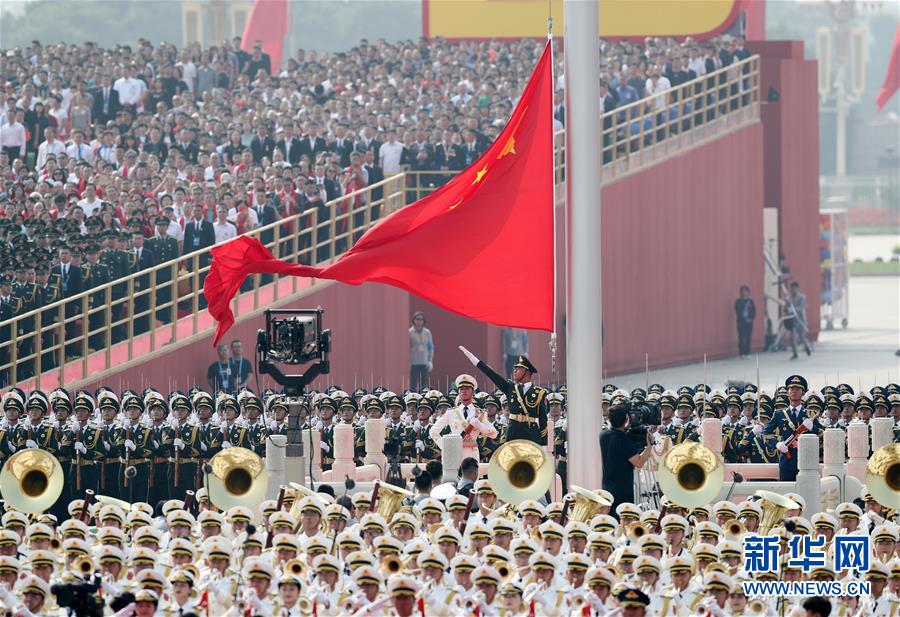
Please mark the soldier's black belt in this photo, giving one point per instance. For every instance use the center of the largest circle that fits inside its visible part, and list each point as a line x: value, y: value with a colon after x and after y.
x: 84, y: 463
x: 111, y: 461
x: 521, y: 417
x: 159, y: 460
x: 134, y: 461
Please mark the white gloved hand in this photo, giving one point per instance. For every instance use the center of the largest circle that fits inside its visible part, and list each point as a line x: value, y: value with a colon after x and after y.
x: 781, y: 447
x: 417, y: 425
x: 155, y: 444
x: 175, y: 424
x: 130, y: 445
x: 319, y: 425
x: 11, y: 447
x: 126, y: 424
x: 430, y: 367
x: 4, y: 423
x: 808, y: 423
x: 744, y: 421
x: 178, y: 444
x: 76, y: 425
x: 106, y: 446
x: 80, y: 447
x: 476, y: 424
x: 325, y: 447
x: 202, y: 447
x: 420, y: 446
x: 31, y: 443
x: 28, y: 423
x: 503, y: 420
x: 226, y: 444
x: 677, y: 422
x: 758, y: 429
x: 469, y: 355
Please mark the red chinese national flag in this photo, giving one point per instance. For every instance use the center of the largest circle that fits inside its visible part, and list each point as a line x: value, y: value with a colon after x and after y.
x: 892, y: 77
x: 480, y: 246
x: 267, y: 23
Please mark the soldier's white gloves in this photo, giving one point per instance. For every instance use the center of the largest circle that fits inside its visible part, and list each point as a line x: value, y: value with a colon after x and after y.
x: 31, y: 443
x: 130, y: 445
x: 469, y: 355
x: 202, y: 447
x: 178, y: 444
x: 808, y: 423
x: 758, y: 429
x: 781, y: 447
x: 417, y: 425
x: 126, y: 424
x: 420, y: 446
x: 28, y: 423
x: 80, y: 447
x: 226, y: 444
x: 325, y: 447
x: 744, y: 421
x: 76, y: 425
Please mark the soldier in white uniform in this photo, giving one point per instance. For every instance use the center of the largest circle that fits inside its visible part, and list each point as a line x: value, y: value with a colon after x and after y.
x: 466, y: 419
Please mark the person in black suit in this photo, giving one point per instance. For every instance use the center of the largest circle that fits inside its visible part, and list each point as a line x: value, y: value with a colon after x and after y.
x: 368, y: 142
x: 9, y: 308
x: 448, y: 156
x: 199, y: 234
x: 289, y: 145
x: 609, y: 100
x: 266, y: 214
x: 376, y: 175
x: 70, y: 284
x: 106, y: 103
x: 262, y: 145
x: 141, y: 258
x: 186, y: 146
x: 470, y: 150
x: 312, y: 144
x: 341, y: 145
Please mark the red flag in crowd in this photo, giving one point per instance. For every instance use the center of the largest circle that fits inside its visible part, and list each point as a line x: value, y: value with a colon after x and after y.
x: 267, y: 23
x: 480, y: 246
x: 892, y: 77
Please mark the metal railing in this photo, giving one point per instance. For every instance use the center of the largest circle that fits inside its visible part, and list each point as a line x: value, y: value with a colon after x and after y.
x: 82, y: 337
x: 59, y: 343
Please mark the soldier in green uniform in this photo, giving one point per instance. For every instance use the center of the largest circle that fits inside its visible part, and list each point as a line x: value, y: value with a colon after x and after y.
x: 95, y: 273
x: 118, y: 264
x: 232, y: 433
x: 165, y: 248
x: 732, y: 431
x: 133, y: 441
x: 10, y: 306
x: 13, y: 410
x: 276, y: 405
x: 186, y: 448
x: 527, y: 401
x: 257, y: 430
x: 325, y: 406
x: 555, y: 402
x: 29, y: 299
x: 162, y: 442
x: 38, y: 431
x: 109, y: 467
x: 424, y: 446
x: 140, y: 259
x: 487, y: 445
x: 682, y: 427
x: 61, y: 410
x: 82, y: 442
x: 210, y: 438
x: 49, y: 294
x: 759, y: 448
x: 397, y: 436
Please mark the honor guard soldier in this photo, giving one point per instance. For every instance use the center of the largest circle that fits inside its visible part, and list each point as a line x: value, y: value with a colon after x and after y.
x: 163, y: 438
x: 556, y: 401
x: 186, y: 448
x: 38, y: 432
x: 133, y: 443
x: 465, y: 420
x: 278, y: 409
x: 527, y: 402
x: 109, y: 466
x: 82, y: 442
x: 257, y: 430
x: 118, y: 265
x: 325, y: 405
x: 758, y: 448
x: 232, y: 433
x: 682, y: 427
x: 398, y: 436
x: 788, y: 421
x: 424, y: 446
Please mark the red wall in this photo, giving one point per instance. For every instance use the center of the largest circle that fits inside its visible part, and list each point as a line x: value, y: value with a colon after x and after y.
x: 791, y: 168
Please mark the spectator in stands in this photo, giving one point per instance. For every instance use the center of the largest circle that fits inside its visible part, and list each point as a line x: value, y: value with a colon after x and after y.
x: 421, y: 352
x: 241, y: 367
x: 223, y: 228
x: 218, y: 375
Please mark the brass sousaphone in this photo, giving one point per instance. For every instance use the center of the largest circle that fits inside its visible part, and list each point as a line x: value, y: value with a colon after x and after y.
x: 520, y: 470
x: 773, y: 508
x: 883, y: 476
x: 237, y: 478
x: 390, y: 499
x: 31, y: 481
x: 585, y: 504
x: 690, y: 474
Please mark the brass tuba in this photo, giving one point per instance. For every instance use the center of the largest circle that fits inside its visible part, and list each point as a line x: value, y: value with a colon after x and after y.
x: 690, y: 474
x: 83, y: 566
x: 773, y: 508
x: 585, y: 504
x: 237, y: 478
x: 636, y: 530
x: 391, y: 565
x: 734, y: 529
x: 520, y: 470
x: 31, y: 481
x: 883, y: 476
x: 390, y: 498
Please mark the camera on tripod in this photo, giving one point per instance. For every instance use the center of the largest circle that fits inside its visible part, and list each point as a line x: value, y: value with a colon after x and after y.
x: 294, y: 338
x: 80, y: 598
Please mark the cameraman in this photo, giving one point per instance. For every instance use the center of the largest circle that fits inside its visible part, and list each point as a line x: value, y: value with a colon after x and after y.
x: 619, y: 456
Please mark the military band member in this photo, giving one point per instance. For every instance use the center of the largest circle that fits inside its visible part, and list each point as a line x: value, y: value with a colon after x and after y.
x: 527, y: 401
x: 466, y: 419
x: 186, y: 449
x: 133, y: 442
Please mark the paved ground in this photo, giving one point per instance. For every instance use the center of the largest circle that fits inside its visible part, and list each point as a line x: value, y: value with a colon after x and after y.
x: 861, y: 354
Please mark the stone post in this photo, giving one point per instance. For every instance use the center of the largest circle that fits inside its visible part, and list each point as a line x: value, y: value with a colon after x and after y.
x: 809, y: 481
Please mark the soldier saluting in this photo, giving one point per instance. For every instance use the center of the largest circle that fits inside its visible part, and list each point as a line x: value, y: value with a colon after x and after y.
x: 527, y: 402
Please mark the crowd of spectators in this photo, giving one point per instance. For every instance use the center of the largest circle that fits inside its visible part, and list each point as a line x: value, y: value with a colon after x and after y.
x: 103, y: 151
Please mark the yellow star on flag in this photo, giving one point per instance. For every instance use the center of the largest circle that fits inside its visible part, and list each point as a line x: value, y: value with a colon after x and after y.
x: 479, y: 175
x: 510, y: 146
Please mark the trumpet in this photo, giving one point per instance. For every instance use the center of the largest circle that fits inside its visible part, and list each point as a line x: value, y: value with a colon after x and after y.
x: 756, y: 607
x: 391, y: 565
x: 296, y: 567
x: 83, y: 566
x: 304, y: 605
x: 734, y: 528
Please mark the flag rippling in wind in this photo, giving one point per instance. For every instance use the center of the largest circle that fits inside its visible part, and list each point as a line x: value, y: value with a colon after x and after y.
x: 481, y: 246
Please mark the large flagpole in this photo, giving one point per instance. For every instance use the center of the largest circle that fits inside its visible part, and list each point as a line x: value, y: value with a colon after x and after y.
x: 584, y: 363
